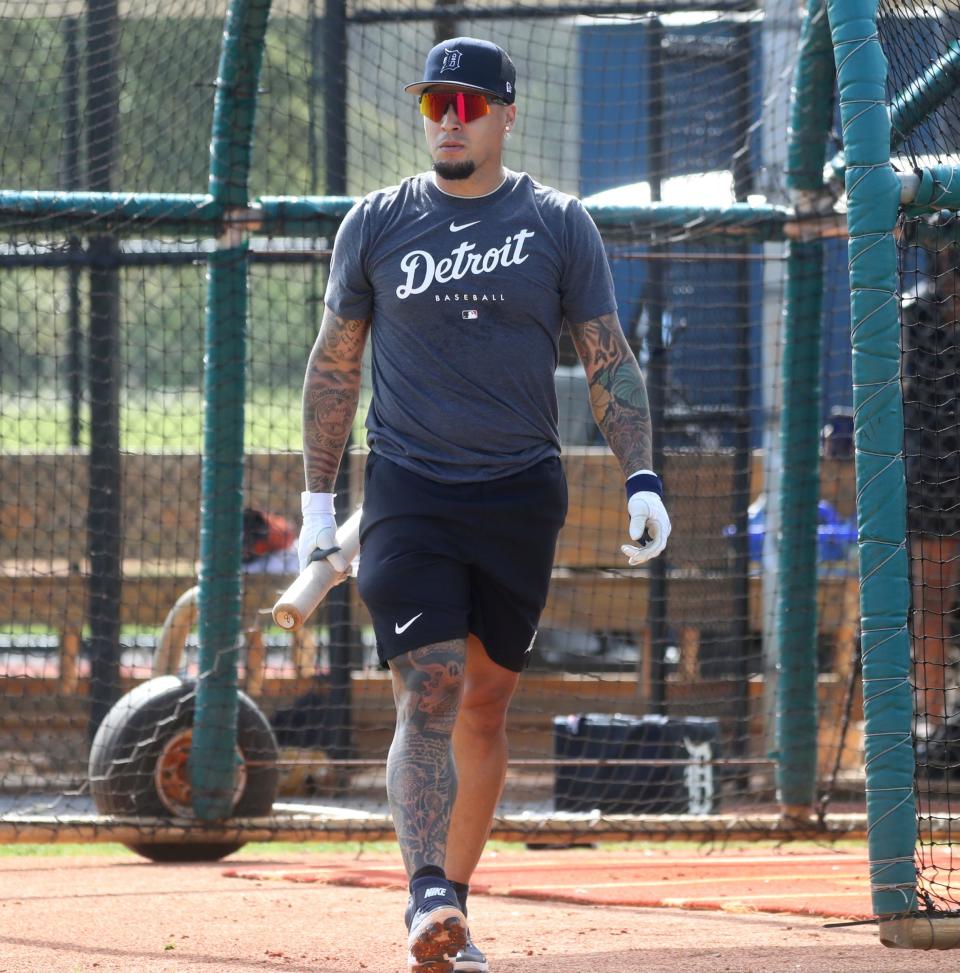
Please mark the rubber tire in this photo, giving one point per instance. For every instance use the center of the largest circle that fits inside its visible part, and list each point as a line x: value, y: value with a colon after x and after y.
x: 129, y: 742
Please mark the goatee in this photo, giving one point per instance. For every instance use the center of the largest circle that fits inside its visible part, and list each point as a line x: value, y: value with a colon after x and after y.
x: 454, y: 170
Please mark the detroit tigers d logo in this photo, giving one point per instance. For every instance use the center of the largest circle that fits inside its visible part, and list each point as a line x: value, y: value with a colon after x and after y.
x: 451, y: 60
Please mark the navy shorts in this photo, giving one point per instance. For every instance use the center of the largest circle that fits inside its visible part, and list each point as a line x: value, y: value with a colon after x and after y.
x: 442, y: 560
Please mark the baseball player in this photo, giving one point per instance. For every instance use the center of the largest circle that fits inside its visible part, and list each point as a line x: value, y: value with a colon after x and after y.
x: 461, y: 278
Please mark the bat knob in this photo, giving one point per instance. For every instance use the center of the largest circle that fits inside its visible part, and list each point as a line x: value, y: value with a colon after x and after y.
x: 285, y: 619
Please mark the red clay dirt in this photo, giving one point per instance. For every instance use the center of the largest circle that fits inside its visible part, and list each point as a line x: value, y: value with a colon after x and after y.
x: 343, y: 914
x: 827, y: 883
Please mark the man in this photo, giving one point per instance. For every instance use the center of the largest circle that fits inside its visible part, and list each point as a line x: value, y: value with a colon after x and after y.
x: 462, y: 277
x: 930, y: 317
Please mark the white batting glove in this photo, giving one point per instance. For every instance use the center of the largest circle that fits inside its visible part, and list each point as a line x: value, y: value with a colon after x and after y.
x: 319, y: 533
x: 649, y: 522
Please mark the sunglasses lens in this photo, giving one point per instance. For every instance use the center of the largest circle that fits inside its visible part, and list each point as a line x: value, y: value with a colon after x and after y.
x: 468, y: 106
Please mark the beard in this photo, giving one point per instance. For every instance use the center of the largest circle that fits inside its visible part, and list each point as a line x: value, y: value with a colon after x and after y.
x: 455, y: 170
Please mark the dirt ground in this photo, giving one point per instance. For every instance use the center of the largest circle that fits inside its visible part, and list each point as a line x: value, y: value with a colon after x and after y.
x: 122, y: 915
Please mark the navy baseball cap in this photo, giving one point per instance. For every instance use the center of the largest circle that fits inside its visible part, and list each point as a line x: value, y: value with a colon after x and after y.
x: 471, y: 64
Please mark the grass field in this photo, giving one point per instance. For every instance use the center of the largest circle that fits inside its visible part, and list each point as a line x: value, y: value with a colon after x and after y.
x: 169, y: 421
x: 358, y: 848
x: 150, y: 422
x: 105, y: 849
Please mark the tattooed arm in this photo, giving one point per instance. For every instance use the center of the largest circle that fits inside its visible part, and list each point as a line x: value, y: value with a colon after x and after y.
x: 618, y: 395
x: 331, y: 391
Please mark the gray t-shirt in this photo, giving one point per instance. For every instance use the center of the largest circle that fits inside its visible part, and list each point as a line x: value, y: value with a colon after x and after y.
x: 467, y: 297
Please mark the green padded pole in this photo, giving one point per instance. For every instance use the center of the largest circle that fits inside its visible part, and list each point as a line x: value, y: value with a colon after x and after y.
x: 873, y: 193
x: 811, y: 103
x: 311, y: 216
x: 748, y: 222
x: 924, y: 95
x: 796, y: 620
x: 97, y: 211
x: 938, y: 188
x: 213, y: 760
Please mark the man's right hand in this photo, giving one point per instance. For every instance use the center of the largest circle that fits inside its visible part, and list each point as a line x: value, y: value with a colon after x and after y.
x: 319, y: 532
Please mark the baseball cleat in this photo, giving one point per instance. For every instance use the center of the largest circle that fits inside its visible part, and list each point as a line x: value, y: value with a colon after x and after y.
x: 470, y: 959
x: 438, y: 929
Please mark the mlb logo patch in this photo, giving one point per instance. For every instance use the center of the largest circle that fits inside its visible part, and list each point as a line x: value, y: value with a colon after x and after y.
x: 470, y: 315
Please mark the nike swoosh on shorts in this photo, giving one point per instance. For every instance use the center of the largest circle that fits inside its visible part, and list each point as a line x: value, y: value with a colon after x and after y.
x: 400, y: 629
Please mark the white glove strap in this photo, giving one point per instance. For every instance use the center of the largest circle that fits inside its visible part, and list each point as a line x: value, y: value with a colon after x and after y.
x: 317, y: 503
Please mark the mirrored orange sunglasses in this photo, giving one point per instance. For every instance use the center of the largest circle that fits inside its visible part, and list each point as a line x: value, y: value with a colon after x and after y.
x: 468, y: 105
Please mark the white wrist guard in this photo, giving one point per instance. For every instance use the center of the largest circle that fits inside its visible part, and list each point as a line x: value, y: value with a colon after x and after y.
x: 316, y: 503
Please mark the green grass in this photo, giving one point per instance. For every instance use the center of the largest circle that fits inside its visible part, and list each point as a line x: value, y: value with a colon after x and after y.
x: 158, y: 421
x: 170, y: 421
x: 61, y: 851
x: 357, y: 848
x: 108, y: 849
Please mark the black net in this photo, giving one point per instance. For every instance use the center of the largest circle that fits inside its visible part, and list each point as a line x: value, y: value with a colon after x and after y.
x: 668, y: 671
x: 921, y: 42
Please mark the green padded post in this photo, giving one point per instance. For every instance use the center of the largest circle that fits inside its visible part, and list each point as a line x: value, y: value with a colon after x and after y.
x: 796, y: 623
x: 873, y: 194
x: 748, y: 222
x: 128, y: 212
x: 796, y: 721
x: 924, y: 95
x: 938, y: 188
x: 200, y: 214
x: 213, y: 762
x: 811, y: 106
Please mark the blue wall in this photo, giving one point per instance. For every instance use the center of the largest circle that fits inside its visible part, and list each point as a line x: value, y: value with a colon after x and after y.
x: 704, y: 71
x: 705, y: 316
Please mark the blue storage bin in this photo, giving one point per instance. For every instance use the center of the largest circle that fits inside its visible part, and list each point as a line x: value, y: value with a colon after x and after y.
x: 835, y: 536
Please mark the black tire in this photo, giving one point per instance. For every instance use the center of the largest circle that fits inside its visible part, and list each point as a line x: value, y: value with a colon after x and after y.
x: 134, y: 737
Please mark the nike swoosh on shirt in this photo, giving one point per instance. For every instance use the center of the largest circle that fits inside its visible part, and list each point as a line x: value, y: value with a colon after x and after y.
x: 454, y: 228
x: 400, y: 629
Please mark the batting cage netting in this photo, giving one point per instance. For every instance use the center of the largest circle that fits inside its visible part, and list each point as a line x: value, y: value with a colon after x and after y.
x: 163, y: 258
x: 922, y: 47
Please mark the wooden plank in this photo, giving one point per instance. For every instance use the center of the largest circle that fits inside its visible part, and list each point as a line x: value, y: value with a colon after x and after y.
x: 608, y: 602
x: 69, y: 659
x: 160, y: 496
x: 161, y: 503
x: 42, y: 543
x: 60, y: 601
x: 578, y: 600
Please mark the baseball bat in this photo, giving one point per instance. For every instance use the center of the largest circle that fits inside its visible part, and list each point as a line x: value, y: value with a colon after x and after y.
x: 300, y: 600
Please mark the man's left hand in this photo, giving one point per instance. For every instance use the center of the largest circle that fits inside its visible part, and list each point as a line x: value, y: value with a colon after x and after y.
x: 649, y: 525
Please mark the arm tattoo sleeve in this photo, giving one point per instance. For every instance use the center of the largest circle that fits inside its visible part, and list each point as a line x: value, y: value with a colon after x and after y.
x: 618, y: 395
x: 331, y: 391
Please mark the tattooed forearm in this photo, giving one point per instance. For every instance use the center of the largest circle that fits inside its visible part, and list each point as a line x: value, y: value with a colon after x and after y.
x: 331, y: 390
x: 618, y: 395
x: 421, y: 776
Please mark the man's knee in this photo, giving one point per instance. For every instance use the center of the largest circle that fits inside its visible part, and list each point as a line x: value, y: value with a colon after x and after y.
x: 428, y: 683
x: 484, y: 712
